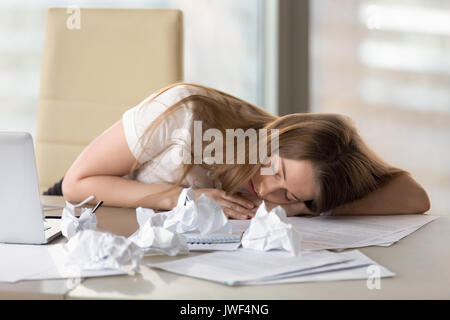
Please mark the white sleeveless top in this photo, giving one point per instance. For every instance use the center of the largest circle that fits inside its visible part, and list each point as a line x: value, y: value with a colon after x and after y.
x: 163, y: 169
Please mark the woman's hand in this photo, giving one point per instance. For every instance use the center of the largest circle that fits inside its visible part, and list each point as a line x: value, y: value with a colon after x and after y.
x: 234, y: 206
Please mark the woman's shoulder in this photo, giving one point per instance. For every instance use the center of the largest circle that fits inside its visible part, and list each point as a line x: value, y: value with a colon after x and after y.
x: 179, y: 92
x: 137, y: 120
x: 155, y: 104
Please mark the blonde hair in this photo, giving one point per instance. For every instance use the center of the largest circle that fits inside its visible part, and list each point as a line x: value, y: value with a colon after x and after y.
x: 345, y: 169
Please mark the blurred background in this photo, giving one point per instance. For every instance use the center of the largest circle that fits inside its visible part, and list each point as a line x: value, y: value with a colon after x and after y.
x: 385, y: 64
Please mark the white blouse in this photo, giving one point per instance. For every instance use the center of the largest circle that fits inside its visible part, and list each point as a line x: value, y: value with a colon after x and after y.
x: 163, y: 169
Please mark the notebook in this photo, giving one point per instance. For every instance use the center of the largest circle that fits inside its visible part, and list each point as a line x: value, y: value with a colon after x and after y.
x: 197, y: 238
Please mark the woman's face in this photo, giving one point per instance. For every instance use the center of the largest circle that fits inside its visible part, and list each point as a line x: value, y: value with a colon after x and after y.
x: 292, y: 181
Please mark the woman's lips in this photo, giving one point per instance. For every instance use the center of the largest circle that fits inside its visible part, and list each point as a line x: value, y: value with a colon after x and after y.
x: 252, y: 188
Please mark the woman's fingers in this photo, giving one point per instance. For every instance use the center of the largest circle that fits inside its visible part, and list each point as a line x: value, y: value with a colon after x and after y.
x: 234, y: 206
x: 238, y: 204
x: 237, y: 208
x: 240, y: 200
x: 258, y: 202
x: 230, y: 213
x: 233, y: 210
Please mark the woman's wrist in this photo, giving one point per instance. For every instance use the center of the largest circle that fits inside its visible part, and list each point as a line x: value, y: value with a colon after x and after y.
x: 163, y: 202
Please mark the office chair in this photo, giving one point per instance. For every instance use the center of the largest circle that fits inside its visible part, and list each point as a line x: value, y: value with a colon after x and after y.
x: 92, y: 74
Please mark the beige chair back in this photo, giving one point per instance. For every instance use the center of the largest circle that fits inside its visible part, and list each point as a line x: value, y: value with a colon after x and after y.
x: 91, y: 75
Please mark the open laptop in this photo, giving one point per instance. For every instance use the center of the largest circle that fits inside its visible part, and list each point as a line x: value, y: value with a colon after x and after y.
x: 22, y: 219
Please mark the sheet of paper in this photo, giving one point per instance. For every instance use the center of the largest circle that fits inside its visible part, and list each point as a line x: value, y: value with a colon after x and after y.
x: 59, y: 269
x: 49, y: 262
x: 352, y: 270
x: 355, y: 259
x: 15, y: 261
x: 236, y: 267
x: 356, y: 231
x: 390, y: 239
x: 319, y: 233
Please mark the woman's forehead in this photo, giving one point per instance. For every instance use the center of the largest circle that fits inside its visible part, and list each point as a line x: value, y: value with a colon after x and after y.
x: 299, y: 176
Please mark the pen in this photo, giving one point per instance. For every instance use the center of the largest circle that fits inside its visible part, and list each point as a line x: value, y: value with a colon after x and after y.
x: 97, y: 206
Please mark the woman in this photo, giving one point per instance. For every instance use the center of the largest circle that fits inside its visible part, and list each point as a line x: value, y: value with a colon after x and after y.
x: 321, y: 165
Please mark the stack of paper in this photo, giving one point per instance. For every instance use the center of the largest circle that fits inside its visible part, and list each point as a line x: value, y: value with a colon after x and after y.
x: 49, y: 262
x: 319, y: 233
x: 357, y: 231
x: 359, y: 267
x: 247, y: 266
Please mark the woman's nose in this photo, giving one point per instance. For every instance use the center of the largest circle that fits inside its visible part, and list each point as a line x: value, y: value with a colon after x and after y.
x: 267, y: 186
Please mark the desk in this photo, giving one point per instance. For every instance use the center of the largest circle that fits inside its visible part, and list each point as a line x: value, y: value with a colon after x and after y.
x: 421, y: 262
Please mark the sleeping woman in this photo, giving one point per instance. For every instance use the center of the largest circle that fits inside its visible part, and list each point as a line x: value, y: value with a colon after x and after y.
x: 183, y: 136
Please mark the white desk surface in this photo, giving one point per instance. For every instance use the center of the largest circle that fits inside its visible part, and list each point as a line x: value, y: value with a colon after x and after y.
x: 421, y: 262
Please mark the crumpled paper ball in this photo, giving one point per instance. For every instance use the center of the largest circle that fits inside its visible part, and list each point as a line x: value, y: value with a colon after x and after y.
x: 271, y: 230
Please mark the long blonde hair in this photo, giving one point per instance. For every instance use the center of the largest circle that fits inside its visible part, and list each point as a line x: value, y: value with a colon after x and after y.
x: 345, y: 169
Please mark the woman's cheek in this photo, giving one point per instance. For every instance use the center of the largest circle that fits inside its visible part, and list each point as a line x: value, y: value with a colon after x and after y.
x: 275, y: 198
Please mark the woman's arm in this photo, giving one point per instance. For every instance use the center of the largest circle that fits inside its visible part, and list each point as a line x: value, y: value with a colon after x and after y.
x: 402, y: 195
x: 98, y: 170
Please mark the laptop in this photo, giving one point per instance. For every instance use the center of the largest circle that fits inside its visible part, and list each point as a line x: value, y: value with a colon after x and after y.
x: 22, y: 218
